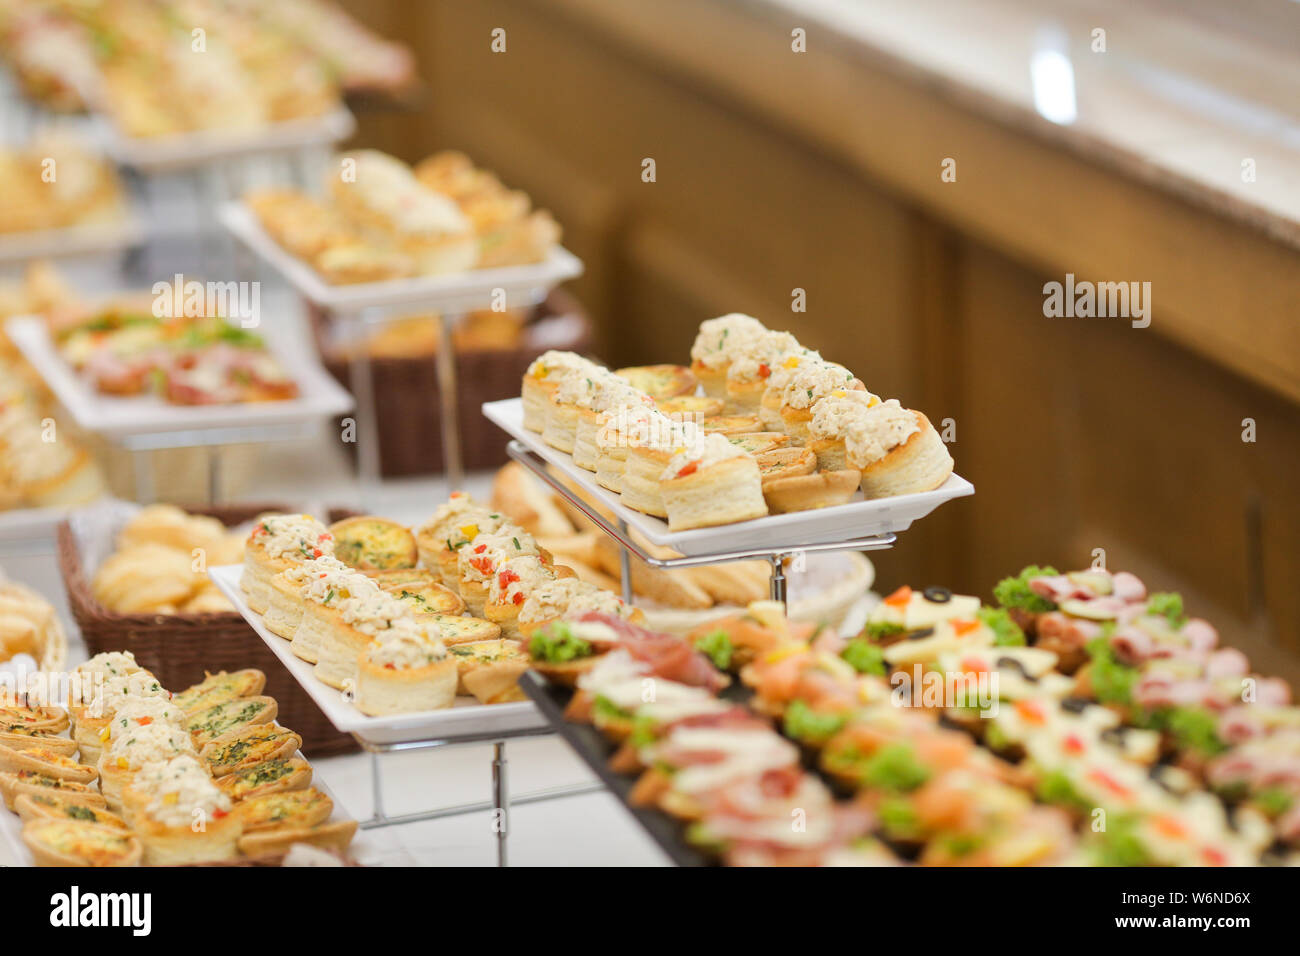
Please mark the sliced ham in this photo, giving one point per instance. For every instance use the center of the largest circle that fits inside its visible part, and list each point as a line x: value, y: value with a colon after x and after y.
x: 1128, y: 587
x: 1226, y: 662
x: 1067, y: 630
x: 666, y: 655
x: 1200, y: 635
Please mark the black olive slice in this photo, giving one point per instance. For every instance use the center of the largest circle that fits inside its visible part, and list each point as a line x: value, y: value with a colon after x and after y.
x: 937, y: 595
x: 1075, y: 705
x: 918, y: 635
x: 1011, y: 664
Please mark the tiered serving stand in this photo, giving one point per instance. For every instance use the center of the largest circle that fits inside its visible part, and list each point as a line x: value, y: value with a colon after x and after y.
x: 858, y: 526
x: 360, y: 308
x: 363, y: 306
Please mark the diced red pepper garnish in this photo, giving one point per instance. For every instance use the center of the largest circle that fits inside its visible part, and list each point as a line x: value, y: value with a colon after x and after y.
x: 1111, y: 784
x: 900, y: 598
x: 480, y: 549
x: 690, y: 469
x: 519, y: 597
x: 1169, y: 827
x: 316, y: 552
x: 1030, y: 712
x: 1214, y: 857
x: 506, y: 577
x: 1073, y: 744
x: 218, y: 813
x: 964, y: 626
x: 144, y: 721
x: 973, y: 665
x: 764, y: 371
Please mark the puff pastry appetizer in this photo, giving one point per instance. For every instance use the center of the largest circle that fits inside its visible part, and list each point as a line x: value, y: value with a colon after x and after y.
x: 711, y: 483
x: 717, y: 345
x: 276, y: 543
x: 406, y: 672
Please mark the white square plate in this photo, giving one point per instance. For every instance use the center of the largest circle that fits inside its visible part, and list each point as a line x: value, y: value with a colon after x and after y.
x: 186, y: 150
x: 453, y: 292
x: 775, y: 532
x: 467, y: 718
x: 119, y: 417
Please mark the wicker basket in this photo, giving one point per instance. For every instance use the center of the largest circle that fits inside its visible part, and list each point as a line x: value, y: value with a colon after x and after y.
x: 180, y: 648
x: 406, y: 391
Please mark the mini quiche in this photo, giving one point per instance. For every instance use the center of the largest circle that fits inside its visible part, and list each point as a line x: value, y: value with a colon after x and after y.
x: 429, y: 598
x: 659, y: 381
x: 368, y: 543
x: 403, y: 577
x: 219, y: 688
x: 288, y: 808
x: 734, y: 425
x: 27, y: 738
x: 490, y: 669
x: 454, y: 629
x: 784, y: 463
x: 691, y: 407
x: 73, y: 843
x: 329, y: 836
x: 207, y: 725
x: 64, y: 806
x: 49, y: 720
x: 270, y: 776
x: 762, y: 443
x: 48, y: 761
x: 249, y: 745
x: 14, y: 785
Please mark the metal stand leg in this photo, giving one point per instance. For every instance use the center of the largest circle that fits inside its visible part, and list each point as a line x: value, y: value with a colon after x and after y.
x: 214, y: 475
x: 501, y: 797
x: 376, y: 791
x: 367, y: 419
x: 778, y: 577
x: 625, y: 566
x: 142, y: 470
x: 453, y: 461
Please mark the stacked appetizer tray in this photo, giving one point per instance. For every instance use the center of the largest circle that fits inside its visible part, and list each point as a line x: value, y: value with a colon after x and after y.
x: 316, y: 395
x: 856, y: 519
x: 466, y: 716
x: 443, y: 234
x: 1080, y: 720
x: 759, y: 445
x: 402, y: 635
x: 109, y: 768
x: 188, y: 150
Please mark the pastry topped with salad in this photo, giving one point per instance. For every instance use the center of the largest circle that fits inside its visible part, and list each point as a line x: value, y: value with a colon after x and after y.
x: 122, y: 348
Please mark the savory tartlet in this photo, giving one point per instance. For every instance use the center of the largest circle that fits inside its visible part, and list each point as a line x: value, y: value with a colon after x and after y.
x: 46, y: 761
x: 287, y: 808
x: 13, y: 785
x: 65, y: 806
x: 247, y: 746
x: 210, y: 723
x: 79, y: 844
x: 27, y: 739
x: 659, y: 381
x: 269, y: 776
x: 368, y: 543
x: 329, y: 836
x: 220, y: 687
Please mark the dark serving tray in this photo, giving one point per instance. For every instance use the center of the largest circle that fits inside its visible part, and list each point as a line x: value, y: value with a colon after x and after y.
x: 592, y: 747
